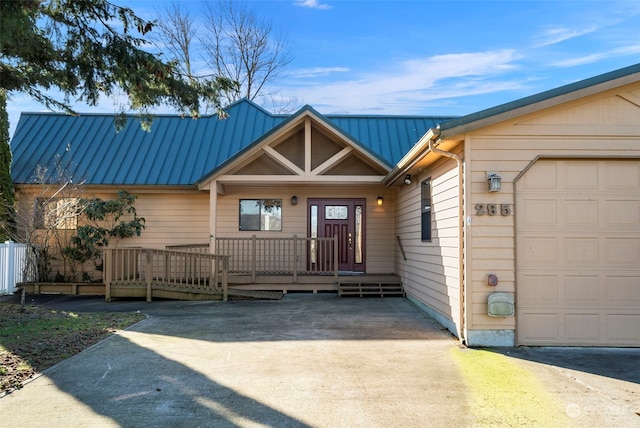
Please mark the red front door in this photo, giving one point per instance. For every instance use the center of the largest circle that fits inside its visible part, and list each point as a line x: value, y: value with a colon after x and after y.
x: 343, y: 218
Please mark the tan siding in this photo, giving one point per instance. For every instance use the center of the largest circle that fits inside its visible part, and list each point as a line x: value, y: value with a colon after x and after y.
x: 431, y: 272
x: 509, y: 148
x: 173, y: 219
x: 380, y: 239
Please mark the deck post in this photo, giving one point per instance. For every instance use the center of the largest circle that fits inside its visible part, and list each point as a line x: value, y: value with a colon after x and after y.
x: 225, y: 269
x: 335, y: 257
x: 148, y: 273
x: 254, y: 245
x: 106, y: 274
x: 294, y: 258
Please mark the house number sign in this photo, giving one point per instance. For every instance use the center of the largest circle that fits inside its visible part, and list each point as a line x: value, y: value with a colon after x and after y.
x: 493, y: 209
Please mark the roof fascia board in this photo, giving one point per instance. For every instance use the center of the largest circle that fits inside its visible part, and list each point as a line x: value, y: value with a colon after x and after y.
x: 296, y: 179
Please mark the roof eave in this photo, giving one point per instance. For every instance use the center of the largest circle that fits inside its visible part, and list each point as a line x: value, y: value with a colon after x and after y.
x: 417, y: 152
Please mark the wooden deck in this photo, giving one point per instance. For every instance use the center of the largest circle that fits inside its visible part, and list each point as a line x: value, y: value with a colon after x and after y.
x: 266, y: 287
x: 345, y: 284
x: 242, y: 268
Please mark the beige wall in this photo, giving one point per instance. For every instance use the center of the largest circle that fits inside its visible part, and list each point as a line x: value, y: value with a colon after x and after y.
x: 172, y: 217
x: 606, y: 125
x: 379, y: 220
x: 431, y: 273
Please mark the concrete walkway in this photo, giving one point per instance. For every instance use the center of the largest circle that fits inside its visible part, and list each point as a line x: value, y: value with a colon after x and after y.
x: 304, y: 361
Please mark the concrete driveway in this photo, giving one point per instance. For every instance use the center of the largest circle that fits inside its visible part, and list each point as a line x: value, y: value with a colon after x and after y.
x: 310, y: 360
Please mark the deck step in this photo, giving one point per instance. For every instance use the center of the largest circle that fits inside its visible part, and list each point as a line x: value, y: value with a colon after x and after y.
x: 362, y: 289
x: 255, y: 294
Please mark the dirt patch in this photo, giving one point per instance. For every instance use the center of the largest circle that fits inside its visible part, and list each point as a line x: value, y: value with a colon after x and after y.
x: 33, y: 339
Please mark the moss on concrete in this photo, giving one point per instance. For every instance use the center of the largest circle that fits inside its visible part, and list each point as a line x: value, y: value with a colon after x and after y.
x: 506, y: 394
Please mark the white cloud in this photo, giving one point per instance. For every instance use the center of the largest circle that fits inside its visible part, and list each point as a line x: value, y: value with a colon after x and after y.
x: 312, y: 4
x: 405, y: 88
x: 555, y: 35
x: 599, y: 56
x: 305, y: 73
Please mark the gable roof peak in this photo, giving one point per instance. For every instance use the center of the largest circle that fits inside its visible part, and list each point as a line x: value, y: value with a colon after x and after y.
x: 247, y: 103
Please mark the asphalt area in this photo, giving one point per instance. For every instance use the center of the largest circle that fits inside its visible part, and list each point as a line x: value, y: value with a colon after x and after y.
x: 316, y: 360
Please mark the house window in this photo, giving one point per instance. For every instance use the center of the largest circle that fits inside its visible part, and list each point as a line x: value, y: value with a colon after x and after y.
x: 56, y: 213
x: 425, y: 209
x: 260, y: 214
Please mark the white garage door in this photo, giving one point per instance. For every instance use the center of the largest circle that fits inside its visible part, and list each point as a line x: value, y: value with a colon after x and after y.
x: 578, y: 253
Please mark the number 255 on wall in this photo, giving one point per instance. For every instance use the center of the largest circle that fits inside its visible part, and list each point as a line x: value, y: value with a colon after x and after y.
x: 492, y: 209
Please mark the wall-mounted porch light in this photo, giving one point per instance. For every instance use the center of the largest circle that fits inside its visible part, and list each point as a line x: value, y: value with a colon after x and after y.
x: 294, y: 200
x: 380, y: 200
x: 407, y: 179
x: 494, y: 182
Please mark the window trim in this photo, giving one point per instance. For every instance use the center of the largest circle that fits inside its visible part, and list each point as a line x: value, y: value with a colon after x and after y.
x: 261, y: 204
x: 426, y: 211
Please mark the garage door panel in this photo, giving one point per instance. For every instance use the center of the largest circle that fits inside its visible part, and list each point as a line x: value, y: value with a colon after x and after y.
x: 539, y: 251
x: 580, y: 175
x: 581, y: 289
x: 623, y: 290
x: 622, y: 251
x: 544, y: 177
x: 579, y: 214
x: 539, y: 290
x: 578, y: 253
x: 621, y: 215
x: 581, y: 251
x: 581, y: 327
x: 622, y: 176
x: 623, y: 328
x: 539, y: 327
x: 567, y: 327
x: 540, y: 213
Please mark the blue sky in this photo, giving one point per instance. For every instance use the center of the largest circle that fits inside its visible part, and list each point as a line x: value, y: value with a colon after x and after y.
x: 441, y: 57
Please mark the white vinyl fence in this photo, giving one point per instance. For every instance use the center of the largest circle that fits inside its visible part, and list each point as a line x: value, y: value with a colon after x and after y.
x: 13, y: 266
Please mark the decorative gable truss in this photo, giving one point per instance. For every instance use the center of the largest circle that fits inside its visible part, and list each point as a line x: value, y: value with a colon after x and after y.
x: 305, y: 150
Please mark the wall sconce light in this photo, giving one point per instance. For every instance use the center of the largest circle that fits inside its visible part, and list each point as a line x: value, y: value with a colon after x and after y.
x: 407, y: 179
x: 294, y: 200
x: 494, y: 182
x: 380, y: 201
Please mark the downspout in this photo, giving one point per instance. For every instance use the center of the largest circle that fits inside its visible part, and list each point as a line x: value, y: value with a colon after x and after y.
x: 458, y: 159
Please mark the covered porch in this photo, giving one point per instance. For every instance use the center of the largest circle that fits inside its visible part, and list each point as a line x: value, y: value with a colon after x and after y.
x: 293, y: 264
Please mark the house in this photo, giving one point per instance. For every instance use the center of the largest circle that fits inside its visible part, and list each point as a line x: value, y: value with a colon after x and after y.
x: 516, y: 225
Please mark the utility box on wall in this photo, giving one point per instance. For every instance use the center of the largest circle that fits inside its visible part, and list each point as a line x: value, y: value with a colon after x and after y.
x: 501, y: 305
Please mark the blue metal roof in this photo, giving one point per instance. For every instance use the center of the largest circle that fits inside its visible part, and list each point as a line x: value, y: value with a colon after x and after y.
x: 179, y: 151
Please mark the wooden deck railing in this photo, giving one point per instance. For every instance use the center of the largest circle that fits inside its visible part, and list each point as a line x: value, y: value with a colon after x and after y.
x: 196, y: 272
x: 280, y: 256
